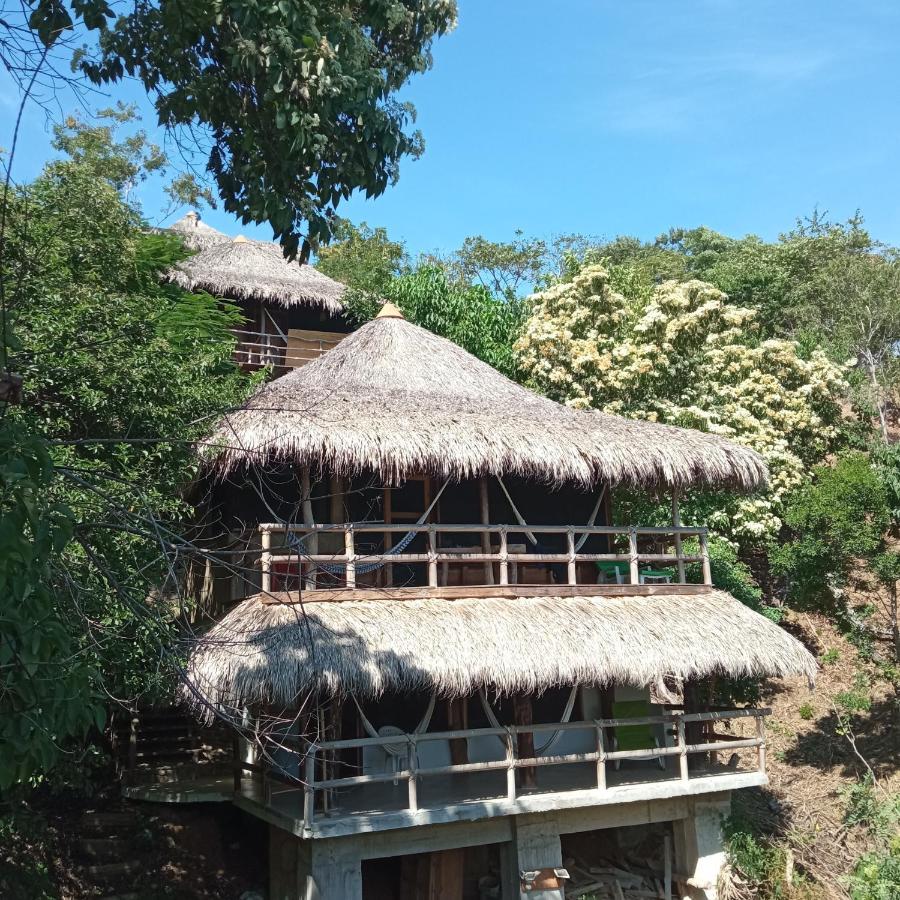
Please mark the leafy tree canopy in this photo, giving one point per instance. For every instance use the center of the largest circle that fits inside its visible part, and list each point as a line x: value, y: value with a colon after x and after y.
x: 296, y: 102
x: 363, y: 258
x: 682, y: 353
x: 120, y: 376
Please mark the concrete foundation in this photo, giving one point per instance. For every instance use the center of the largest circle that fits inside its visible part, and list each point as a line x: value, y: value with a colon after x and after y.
x: 331, y: 868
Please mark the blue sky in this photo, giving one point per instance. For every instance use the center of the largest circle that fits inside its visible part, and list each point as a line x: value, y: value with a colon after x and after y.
x: 628, y: 117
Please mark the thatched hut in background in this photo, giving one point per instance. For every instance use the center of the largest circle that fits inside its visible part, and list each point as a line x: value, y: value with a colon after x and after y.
x: 293, y: 313
x: 195, y: 233
x: 436, y: 616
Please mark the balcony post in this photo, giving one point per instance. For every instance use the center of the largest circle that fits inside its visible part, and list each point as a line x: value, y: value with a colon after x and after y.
x: 761, y: 749
x: 265, y: 559
x: 510, y: 764
x: 309, y: 788
x: 682, y: 748
x: 312, y: 546
x: 504, y: 557
x: 704, y: 555
x: 412, y: 782
x: 486, y: 535
x: 350, y: 552
x: 633, y: 553
x: 601, y: 761
x: 432, y: 557
x: 676, y: 523
x: 572, y: 568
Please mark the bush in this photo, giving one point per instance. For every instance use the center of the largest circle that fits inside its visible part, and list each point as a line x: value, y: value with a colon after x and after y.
x: 837, y: 519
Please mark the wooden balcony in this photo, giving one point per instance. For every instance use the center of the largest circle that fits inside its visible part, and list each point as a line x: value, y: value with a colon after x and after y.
x: 463, y: 560
x: 408, y: 780
x: 256, y: 349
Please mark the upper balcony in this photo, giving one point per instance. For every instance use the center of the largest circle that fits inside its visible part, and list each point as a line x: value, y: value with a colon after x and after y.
x: 282, y: 350
x: 364, y: 560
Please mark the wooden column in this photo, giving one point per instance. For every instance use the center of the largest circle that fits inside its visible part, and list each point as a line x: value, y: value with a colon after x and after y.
x: 458, y: 720
x: 388, y: 569
x: 312, y: 542
x: 523, y: 715
x: 676, y: 523
x: 485, y: 537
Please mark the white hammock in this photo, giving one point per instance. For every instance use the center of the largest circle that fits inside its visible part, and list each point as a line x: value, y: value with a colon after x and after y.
x: 399, y: 747
x: 298, y: 546
x: 521, y: 519
x: 554, y: 737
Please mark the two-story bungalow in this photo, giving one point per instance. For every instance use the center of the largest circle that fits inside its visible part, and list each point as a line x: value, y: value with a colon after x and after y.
x: 449, y: 670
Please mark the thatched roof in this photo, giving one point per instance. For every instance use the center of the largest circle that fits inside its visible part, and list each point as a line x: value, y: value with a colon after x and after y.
x: 257, y: 270
x: 399, y: 400
x: 275, y: 653
x: 196, y: 234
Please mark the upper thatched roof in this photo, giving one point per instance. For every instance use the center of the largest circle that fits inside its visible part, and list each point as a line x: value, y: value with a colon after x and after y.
x: 196, y: 234
x: 276, y: 653
x: 399, y: 400
x: 257, y: 270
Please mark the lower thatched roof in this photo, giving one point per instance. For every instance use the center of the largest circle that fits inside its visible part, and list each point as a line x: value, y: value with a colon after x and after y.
x: 276, y: 653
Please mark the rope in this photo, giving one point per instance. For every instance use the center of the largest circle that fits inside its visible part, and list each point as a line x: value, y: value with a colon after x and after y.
x: 297, y: 544
x: 395, y: 748
x: 521, y: 519
x: 554, y: 737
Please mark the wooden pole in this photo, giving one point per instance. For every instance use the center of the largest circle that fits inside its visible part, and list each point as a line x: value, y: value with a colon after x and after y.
x: 457, y: 721
x: 350, y: 553
x: 388, y: 536
x: 572, y: 569
x: 312, y: 542
x: 265, y: 560
x: 523, y: 714
x: 676, y: 523
x: 634, y: 568
x: 485, y: 536
x: 704, y: 554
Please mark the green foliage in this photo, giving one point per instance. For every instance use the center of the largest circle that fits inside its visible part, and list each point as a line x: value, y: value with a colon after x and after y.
x: 363, y: 258
x: 468, y: 315
x: 297, y: 101
x: 806, y: 712
x: 25, y: 855
x: 46, y: 693
x: 830, y: 657
x: 758, y: 861
x: 835, y: 520
x: 121, y: 375
x: 876, y: 875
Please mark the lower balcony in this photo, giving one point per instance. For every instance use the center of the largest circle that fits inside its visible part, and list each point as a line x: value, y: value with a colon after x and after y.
x: 409, y: 779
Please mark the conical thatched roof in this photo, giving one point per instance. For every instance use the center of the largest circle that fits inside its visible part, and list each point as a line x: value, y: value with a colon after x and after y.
x: 257, y: 270
x: 399, y: 400
x: 275, y: 653
x: 196, y: 234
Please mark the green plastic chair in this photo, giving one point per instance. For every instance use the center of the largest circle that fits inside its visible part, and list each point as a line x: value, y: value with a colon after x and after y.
x: 635, y: 737
x: 612, y: 569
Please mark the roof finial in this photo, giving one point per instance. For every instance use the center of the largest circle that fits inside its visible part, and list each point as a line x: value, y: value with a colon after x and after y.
x: 390, y: 311
x: 240, y: 239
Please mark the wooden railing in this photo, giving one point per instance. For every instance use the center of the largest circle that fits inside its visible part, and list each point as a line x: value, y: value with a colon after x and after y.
x: 344, y: 566
x: 295, y: 349
x: 309, y: 782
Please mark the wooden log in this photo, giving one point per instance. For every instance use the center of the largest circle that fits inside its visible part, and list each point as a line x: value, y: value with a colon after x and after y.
x: 457, y: 720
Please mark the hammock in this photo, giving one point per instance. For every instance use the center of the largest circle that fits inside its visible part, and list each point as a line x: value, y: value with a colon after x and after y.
x: 397, y: 748
x: 298, y: 545
x: 554, y: 737
x: 521, y: 519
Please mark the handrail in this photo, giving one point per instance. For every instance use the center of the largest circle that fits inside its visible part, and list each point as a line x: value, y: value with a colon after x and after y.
x: 411, y: 773
x: 351, y: 560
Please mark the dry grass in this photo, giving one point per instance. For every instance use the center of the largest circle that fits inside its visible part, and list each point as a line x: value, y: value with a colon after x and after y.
x: 398, y: 400
x: 261, y: 653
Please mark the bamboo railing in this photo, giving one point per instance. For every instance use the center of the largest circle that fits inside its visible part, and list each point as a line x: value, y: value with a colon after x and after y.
x: 310, y: 783
x: 506, y: 561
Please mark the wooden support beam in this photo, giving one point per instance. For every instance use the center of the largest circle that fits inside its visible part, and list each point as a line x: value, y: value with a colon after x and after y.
x: 523, y: 715
x: 486, y: 520
x: 312, y: 542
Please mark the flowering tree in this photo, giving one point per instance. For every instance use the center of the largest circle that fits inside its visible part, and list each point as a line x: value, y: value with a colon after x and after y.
x: 681, y: 353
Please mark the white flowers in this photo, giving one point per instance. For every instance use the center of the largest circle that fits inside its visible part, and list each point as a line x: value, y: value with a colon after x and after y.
x: 686, y: 354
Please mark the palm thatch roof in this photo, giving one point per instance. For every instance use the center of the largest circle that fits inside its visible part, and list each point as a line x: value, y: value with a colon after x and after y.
x: 276, y: 653
x: 197, y: 235
x: 398, y: 400
x: 257, y: 270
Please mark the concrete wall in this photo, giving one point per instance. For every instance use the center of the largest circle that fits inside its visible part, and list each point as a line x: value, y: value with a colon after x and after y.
x: 331, y: 868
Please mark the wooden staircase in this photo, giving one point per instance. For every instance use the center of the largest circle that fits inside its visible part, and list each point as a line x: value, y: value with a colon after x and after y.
x: 110, y: 854
x: 165, y: 746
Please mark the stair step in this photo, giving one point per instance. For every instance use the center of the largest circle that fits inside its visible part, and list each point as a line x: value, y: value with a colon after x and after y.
x: 102, y: 847
x: 113, y: 870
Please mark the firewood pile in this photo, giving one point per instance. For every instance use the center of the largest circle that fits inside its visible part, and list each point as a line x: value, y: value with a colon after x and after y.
x: 607, y: 881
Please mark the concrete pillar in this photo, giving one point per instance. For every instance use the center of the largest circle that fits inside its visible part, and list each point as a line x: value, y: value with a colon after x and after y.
x: 336, y: 872
x: 699, y: 848
x: 536, y: 845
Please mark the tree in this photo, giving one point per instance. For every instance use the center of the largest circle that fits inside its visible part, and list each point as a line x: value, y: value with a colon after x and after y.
x: 505, y: 268
x: 120, y: 375
x: 682, y: 353
x: 295, y: 103
x: 363, y: 258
